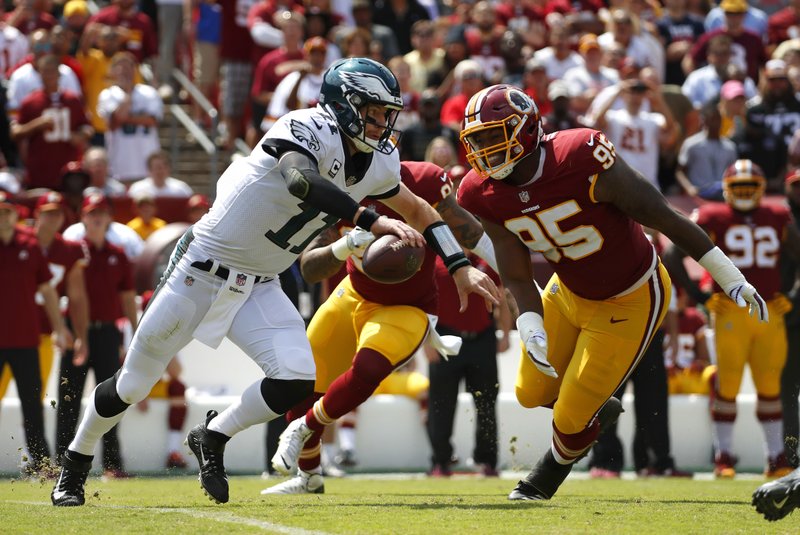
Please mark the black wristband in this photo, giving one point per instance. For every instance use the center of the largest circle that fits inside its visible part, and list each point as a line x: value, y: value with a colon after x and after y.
x: 441, y: 240
x: 367, y: 218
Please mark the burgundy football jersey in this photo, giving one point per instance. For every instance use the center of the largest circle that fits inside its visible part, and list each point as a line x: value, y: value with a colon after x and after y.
x: 61, y: 256
x: 429, y: 182
x: 596, y: 250
x: 751, y: 240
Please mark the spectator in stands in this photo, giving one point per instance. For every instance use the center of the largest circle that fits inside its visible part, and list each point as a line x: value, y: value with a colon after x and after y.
x: 61, y: 46
x: 299, y: 89
x: 109, y: 284
x: 624, y: 31
x: 750, y: 52
x: 790, y: 377
x: 30, y: 15
x: 95, y: 164
x: 400, y: 15
x: 588, y: 79
x: 196, y: 207
x: 475, y: 364
x: 732, y: 108
x: 416, y: 138
x: 425, y: 57
x: 441, y: 152
x: 703, y: 84
x: 561, y: 117
x: 136, y: 29
x: 784, y: 25
x: 273, y: 67
x: 455, y: 50
x: 235, y: 52
x: 511, y: 50
x: 535, y: 83
x: 75, y: 16
x: 170, y: 43
x: 132, y: 112
x: 558, y: 58
x: 483, y: 41
x: 98, y: 45
x: 146, y: 222
x: 704, y: 157
x: 159, y: 183
x: 755, y: 20
x: 26, y: 79
x: 362, y: 17
x: 402, y: 72
x: 638, y: 135
x: 678, y: 31
x: 355, y: 43
x: 51, y: 128
x: 74, y: 181
x: 15, y: 47
x: 117, y: 234
x: 24, y: 272
x: 468, y: 77
x: 772, y: 122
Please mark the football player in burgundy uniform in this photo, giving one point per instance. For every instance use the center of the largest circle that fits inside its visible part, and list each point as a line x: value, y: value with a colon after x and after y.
x: 687, y: 359
x: 66, y: 261
x: 365, y: 329
x: 754, y: 235
x: 569, y: 197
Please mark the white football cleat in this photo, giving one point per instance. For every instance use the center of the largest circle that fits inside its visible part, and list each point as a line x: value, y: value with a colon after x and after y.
x: 290, y: 444
x: 302, y: 483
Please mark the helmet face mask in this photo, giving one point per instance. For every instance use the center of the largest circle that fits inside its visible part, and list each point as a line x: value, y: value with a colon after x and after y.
x: 743, y: 185
x: 501, y: 127
x: 349, y: 86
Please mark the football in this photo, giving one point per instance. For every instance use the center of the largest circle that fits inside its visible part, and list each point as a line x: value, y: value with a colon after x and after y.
x: 390, y: 260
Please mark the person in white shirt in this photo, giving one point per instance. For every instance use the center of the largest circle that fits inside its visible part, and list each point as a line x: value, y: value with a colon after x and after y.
x: 641, y: 47
x: 558, y: 58
x: 13, y: 48
x: 639, y: 135
x: 159, y: 183
x: 587, y: 80
x: 95, y: 163
x: 307, y: 172
x: 132, y: 112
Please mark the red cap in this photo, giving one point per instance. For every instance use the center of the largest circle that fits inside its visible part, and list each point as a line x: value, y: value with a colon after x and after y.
x: 793, y: 176
x: 198, y: 201
x: 52, y: 200
x: 7, y: 200
x: 95, y: 201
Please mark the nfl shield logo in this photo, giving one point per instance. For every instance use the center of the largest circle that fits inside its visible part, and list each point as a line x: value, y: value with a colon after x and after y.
x: 524, y: 196
x: 241, y: 279
x: 189, y: 280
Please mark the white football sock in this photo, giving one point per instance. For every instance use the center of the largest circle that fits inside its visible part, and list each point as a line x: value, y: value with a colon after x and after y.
x: 174, y: 441
x: 773, y: 437
x: 347, y: 438
x: 92, y: 427
x: 722, y: 433
x: 249, y: 410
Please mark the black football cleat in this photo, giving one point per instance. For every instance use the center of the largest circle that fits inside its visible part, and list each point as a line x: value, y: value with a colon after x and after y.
x: 778, y: 498
x: 543, y: 481
x: 209, y: 449
x: 68, y: 490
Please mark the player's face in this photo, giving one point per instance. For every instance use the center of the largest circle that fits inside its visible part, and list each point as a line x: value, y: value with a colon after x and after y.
x: 492, y: 141
x: 376, y: 119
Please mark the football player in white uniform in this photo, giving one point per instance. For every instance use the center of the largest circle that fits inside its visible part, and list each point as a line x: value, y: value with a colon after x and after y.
x: 310, y: 170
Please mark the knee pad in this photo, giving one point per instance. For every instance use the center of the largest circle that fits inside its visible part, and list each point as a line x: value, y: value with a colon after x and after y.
x: 283, y: 394
x: 106, y: 399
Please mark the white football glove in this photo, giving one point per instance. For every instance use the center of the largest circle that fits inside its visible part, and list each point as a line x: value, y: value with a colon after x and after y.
x: 352, y: 243
x: 733, y: 283
x: 531, y: 331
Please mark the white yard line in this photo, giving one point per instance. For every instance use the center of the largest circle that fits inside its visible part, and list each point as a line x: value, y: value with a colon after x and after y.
x: 228, y: 518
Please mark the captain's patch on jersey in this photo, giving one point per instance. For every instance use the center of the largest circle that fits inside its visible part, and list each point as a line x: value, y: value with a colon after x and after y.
x: 304, y: 134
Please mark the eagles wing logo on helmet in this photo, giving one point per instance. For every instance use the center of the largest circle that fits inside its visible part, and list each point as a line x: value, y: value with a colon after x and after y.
x: 304, y: 134
x: 372, y: 86
x: 519, y: 101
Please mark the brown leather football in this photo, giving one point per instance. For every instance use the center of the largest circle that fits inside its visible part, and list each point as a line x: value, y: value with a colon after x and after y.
x: 390, y: 260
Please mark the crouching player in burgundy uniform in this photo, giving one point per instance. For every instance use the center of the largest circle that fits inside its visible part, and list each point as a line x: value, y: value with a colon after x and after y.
x: 66, y: 260
x: 569, y: 197
x: 365, y: 329
x: 755, y: 235
x: 687, y: 360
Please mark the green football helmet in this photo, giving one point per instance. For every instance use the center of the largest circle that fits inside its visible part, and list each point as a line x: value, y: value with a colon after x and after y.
x: 352, y: 83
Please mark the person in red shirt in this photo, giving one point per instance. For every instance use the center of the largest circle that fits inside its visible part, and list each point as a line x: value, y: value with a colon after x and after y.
x: 784, y: 25
x: 50, y: 122
x: 135, y: 27
x: 476, y: 364
x: 24, y: 272
x: 570, y: 197
x: 30, y: 15
x: 109, y: 284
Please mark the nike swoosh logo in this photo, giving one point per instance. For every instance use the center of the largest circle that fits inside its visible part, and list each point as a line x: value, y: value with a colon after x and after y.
x: 58, y: 494
x: 591, y: 141
x: 613, y: 320
x: 781, y: 503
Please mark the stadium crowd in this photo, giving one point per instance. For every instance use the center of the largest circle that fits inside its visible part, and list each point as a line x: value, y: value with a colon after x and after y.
x: 693, y: 95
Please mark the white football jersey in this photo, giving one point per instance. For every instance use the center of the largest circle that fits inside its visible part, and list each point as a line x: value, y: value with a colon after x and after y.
x: 255, y: 224
x: 636, y: 139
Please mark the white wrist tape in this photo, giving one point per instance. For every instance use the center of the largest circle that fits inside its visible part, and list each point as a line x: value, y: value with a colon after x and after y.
x: 528, y: 323
x: 722, y: 269
x: 485, y: 250
x: 340, y: 249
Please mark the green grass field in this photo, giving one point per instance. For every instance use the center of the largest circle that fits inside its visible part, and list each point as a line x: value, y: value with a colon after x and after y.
x: 457, y: 506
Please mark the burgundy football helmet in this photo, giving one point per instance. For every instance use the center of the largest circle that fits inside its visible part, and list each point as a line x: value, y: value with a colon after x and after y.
x: 743, y: 185
x: 501, y: 126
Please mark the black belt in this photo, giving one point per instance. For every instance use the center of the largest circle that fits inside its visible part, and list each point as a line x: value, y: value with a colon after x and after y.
x: 223, y: 272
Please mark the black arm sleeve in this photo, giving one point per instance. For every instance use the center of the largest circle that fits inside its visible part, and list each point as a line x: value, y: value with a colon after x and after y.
x: 304, y: 182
